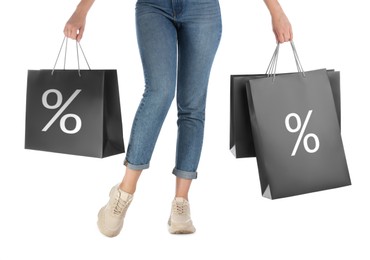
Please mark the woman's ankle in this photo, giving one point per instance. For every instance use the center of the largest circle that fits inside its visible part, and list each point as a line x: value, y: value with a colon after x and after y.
x: 126, y: 188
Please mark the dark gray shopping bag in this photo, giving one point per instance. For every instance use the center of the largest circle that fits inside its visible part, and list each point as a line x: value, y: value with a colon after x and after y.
x: 296, y: 133
x: 241, y: 140
x: 74, y: 112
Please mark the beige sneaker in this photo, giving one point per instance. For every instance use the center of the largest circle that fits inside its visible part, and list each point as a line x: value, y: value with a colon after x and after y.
x: 110, y: 217
x: 180, y: 220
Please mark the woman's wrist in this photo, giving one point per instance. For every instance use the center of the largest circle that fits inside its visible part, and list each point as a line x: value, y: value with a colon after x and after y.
x: 274, y: 7
x: 84, y: 6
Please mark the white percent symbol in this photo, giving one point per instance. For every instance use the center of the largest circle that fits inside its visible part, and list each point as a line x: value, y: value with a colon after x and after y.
x: 302, y: 128
x: 61, y: 110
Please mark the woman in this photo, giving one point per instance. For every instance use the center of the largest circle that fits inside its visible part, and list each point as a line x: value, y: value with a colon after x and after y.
x: 177, y: 41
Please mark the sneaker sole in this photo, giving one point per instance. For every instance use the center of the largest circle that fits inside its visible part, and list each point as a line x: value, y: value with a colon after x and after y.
x: 181, y: 229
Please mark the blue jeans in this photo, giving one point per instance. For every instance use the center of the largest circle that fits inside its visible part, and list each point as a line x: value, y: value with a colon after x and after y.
x: 178, y: 40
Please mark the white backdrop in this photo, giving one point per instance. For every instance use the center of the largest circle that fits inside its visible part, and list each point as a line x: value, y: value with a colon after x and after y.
x: 50, y: 201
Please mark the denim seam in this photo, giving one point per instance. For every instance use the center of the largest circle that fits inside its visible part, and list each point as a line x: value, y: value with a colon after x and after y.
x: 142, y: 103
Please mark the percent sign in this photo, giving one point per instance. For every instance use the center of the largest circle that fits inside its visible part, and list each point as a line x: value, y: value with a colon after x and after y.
x: 302, y: 128
x: 61, y: 110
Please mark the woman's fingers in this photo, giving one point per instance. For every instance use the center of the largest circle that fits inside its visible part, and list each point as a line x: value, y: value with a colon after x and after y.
x: 282, y: 28
x: 70, y: 31
x: 283, y: 37
x: 75, y: 27
x: 80, y: 33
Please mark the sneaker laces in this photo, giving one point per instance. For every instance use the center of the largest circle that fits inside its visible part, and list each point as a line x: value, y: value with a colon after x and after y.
x: 180, y: 208
x: 120, y: 205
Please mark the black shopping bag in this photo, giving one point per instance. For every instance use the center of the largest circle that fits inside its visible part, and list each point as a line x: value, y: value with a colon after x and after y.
x: 241, y: 140
x: 296, y: 133
x: 74, y: 112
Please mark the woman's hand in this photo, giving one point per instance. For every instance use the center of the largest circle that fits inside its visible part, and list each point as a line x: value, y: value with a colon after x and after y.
x: 280, y: 23
x: 75, y: 26
x: 282, y: 28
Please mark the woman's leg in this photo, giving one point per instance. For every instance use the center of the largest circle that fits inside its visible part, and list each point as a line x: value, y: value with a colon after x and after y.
x: 198, y: 39
x: 182, y: 188
x: 157, y: 40
x: 130, y: 180
x: 199, y: 33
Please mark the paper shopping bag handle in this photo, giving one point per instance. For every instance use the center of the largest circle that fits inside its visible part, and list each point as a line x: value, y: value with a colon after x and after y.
x: 65, y: 56
x: 271, y: 69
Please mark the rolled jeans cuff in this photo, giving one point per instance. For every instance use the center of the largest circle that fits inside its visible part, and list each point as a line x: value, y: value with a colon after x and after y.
x: 136, y: 167
x: 185, y: 174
